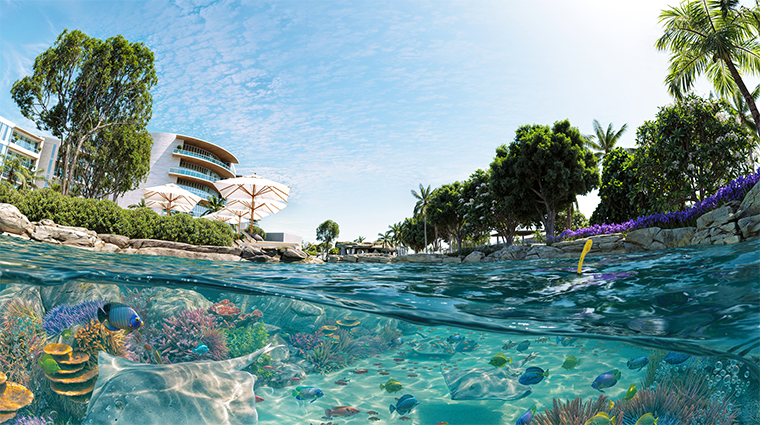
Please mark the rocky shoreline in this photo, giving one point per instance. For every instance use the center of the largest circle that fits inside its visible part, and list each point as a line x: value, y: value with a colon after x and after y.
x: 732, y: 222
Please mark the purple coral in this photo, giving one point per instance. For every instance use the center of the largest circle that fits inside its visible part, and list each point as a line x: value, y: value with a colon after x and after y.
x: 305, y: 342
x: 64, y: 316
x: 31, y: 420
x: 184, y: 332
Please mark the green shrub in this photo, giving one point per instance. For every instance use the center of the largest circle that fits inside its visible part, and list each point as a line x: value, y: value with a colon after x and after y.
x: 8, y: 195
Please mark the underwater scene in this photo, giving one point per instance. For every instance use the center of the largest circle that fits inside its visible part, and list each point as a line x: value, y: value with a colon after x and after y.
x: 660, y: 337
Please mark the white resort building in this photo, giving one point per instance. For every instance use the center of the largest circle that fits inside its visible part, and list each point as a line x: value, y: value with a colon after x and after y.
x: 19, y: 143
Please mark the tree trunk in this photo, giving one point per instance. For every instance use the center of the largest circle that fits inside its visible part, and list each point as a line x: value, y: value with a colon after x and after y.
x: 569, y: 221
x: 743, y: 89
x: 551, y: 214
x: 425, y: 231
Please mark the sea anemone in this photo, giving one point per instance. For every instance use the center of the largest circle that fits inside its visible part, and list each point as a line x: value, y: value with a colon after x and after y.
x: 184, y: 332
x: 573, y: 411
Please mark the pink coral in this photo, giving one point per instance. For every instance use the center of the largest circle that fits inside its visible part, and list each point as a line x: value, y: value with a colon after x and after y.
x: 184, y: 332
x: 224, y: 308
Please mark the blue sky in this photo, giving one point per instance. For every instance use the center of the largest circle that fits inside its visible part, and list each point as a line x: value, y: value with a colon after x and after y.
x: 355, y: 103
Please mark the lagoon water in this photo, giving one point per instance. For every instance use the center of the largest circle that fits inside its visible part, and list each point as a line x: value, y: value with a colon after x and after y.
x: 703, y: 301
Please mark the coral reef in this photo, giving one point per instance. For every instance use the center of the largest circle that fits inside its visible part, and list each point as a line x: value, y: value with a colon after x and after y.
x: 389, y: 332
x: 140, y: 300
x: 229, y: 315
x: 93, y: 337
x: 21, y: 341
x: 573, y: 411
x: 13, y: 398
x: 306, y: 342
x: 31, y: 420
x: 182, y: 333
x: 64, y: 316
x: 75, y: 377
x: 655, y: 360
x: 224, y: 308
x: 246, y: 340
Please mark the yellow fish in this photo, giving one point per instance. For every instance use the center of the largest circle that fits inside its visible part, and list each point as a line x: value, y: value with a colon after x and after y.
x: 499, y: 360
x: 647, y: 419
x: 571, y: 362
x: 600, y: 418
x: 630, y: 393
x: 586, y: 249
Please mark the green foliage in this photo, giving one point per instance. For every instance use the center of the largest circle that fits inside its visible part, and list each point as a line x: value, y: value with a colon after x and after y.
x: 579, y: 221
x: 690, y: 150
x: 327, y: 232
x: 246, y: 340
x: 82, y: 86
x: 618, y: 194
x: 413, y: 233
x: 446, y: 212
x: 256, y: 230
x: 543, y: 171
x: 605, y: 140
x: 106, y: 217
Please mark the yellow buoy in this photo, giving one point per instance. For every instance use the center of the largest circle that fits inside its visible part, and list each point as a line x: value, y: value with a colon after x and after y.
x: 586, y: 248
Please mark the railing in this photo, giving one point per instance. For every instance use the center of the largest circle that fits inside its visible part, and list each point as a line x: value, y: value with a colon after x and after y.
x: 204, y: 194
x: 26, y: 145
x: 204, y: 157
x: 191, y: 173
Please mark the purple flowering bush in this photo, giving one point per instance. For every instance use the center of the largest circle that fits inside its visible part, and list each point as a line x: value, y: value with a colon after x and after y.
x: 733, y: 191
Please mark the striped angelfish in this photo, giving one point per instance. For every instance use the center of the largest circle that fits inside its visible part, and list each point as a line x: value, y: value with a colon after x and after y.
x: 115, y: 316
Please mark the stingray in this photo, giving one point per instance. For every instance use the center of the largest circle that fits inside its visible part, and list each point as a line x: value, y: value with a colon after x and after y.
x: 485, y: 383
x: 203, y: 392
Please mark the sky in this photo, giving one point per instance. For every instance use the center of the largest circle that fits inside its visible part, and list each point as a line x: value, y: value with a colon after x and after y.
x: 356, y: 103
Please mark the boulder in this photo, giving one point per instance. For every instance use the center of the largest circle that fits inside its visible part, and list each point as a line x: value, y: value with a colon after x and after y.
x: 674, y: 238
x: 543, y: 251
x: 716, y: 217
x: 751, y: 203
x: 249, y: 251
x: 118, y: 240
x: 258, y: 238
x: 419, y: 258
x: 350, y: 258
x: 25, y: 293
x: 263, y: 258
x: 513, y: 252
x: 750, y: 226
x: 63, y: 235
x: 109, y: 247
x: 12, y: 221
x: 333, y: 258
x: 382, y: 259
x: 181, y: 253
x: 642, y: 237
x: 294, y: 254
x: 474, y: 257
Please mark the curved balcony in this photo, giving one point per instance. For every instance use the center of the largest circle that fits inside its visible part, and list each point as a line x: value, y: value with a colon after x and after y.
x: 224, y: 170
x: 191, y: 175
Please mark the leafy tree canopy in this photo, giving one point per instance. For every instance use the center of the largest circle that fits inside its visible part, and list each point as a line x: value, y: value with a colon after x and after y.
x: 543, y: 170
x: 690, y: 150
x: 447, y: 210
x: 618, y: 193
x: 81, y: 86
x: 327, y: 232
x: 413, y: 233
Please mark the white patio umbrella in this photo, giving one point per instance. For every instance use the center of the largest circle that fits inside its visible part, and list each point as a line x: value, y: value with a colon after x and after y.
x: 257, y: 196
x: 170, y: 197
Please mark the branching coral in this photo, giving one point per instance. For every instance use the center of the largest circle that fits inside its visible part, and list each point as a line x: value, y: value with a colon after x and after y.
x: 326, y: 359
x: 140, y: 300
x: 573, y: 411
x: 306, y: 342
x: 64, y: 316
x: 21, y: 341
x: 93, y: 338
x: 184, y: 332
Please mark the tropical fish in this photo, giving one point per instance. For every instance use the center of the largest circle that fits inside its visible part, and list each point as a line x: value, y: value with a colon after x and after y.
x: 533, y: 375
x: 523, y: 346
x: 507, y: 345
x: 373, y: 418
x: 606, y: 380
x: 499, y: 360
x: 200, y: 350
x: 638, y: 363
x: 371, y: 412
x: 527, y: 416
x: 67, y: 333
x: 455, y: 338
x: 392, y: 386
x: 542, y: 339
x: 404, y: 418
x: 384, y: 373
x: 342, y: 382
x: 259, y: 399
x: 675, y: 358
x: 630, y: 393
x: 341, y: 412
x: 571, y: 362
x: 360, y: 371
x: 600, y: 418
x: 154, y: 353
x: 115, y: 316
x: 397, y: 342
x: 405, y: 404
x: 647, y: 419
x: 47, y: 362
x: 307, y: 393
x: 566, y: 341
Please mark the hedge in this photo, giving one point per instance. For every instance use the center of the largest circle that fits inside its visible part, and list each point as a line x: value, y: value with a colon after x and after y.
x: 104, y: 216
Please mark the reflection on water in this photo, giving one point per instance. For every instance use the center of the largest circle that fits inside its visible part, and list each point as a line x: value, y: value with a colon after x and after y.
x: 353, y: 340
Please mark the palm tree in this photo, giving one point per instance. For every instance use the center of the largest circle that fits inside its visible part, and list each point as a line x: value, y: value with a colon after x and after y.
x: 360, y: 239
x: 713, y: 38
x: 423, y: 200
x: 11, y: 169
x: 606, y: 140
x: 396, y: 233
x: 140, y: 204
x: 213, y: 204
x: 384, y: 238
x: 28, y: 178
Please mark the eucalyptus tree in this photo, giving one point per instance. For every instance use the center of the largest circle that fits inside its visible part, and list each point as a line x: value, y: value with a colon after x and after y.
x: 423, y: 200
x: 604, y: 141
x: 81, y: 86
x: 327, y: 232
x: 714, y: 38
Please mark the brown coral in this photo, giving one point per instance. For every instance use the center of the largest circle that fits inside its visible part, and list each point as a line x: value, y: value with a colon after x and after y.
x: 348, y: 322
x: 14, y: 397
x: 58, y: 351
x: 76, y: 377
x: 224, y: 308
x: 94, y: 337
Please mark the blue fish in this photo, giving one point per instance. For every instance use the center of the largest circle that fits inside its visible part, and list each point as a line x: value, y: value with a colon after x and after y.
x: 405, y: 404
x: 307, y: 393
x: 566, y: 341
x: 527, y: 416
x: 523, y: 346
x: 638, y: 363
x: 606, y: 380
x: 533, y: 375
x: 115, y: 316
x: 455, y: 338
x: 397, y: 342
x: 200, y: 350
x: 675, y: 358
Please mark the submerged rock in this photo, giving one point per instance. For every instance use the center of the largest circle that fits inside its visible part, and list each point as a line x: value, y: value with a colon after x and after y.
x: 208, y: 392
